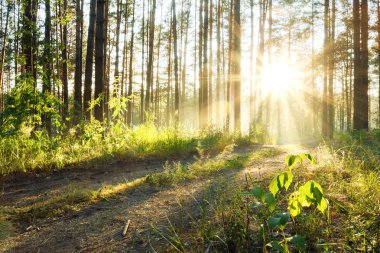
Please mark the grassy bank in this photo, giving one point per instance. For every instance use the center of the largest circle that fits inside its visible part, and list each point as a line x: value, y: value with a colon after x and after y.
x: 88, y: 144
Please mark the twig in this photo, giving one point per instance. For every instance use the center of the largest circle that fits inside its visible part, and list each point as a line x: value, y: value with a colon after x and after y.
x: 125, y: 230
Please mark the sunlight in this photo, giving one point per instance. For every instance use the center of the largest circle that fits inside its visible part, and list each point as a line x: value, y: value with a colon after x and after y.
x: 277, y: 79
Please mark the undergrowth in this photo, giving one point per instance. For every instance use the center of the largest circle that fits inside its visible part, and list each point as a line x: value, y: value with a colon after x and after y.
x: 88, y: 143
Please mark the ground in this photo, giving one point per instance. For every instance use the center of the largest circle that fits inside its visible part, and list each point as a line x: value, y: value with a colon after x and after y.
x: 96, y: 225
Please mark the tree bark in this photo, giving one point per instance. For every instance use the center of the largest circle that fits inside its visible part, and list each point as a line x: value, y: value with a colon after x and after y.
x: 99, y: 61
x: 89, y: 60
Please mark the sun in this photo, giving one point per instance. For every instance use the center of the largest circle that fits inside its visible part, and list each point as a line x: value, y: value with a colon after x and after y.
x: 278, y: 78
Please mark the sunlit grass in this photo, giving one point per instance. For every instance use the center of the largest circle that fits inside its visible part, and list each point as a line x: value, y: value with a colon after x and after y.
x: 91, y: 143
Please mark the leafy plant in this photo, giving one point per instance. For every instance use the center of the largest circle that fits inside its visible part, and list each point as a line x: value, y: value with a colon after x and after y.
x: 308, y: 194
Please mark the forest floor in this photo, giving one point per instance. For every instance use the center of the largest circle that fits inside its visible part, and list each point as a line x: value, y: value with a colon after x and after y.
x: 66, y: 219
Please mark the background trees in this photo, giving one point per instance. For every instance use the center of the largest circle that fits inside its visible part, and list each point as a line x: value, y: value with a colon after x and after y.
x: 87, y: 56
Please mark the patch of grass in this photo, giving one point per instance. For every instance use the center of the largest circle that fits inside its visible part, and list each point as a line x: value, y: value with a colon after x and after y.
x: 6, y: 228
x: 177, y: 172
x: 88, y: 143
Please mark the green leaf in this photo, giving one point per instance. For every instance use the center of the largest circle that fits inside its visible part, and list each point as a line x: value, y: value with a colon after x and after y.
x: 283, y: 248
x: 311, y: 192
x: 281, y: 181
x: 294, y: 205
x: 258, y: 193
x: 270, y: 200
x: 310, y: 158
x: 298, y: 241
x: 278, y: 220
x: 291, y: 160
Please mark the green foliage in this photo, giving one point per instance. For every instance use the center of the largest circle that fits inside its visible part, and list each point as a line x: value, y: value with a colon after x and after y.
x: 306, y: 195
x: 24, y: 106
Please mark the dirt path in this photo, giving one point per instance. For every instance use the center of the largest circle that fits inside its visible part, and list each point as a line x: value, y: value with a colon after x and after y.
x: 97, y: 227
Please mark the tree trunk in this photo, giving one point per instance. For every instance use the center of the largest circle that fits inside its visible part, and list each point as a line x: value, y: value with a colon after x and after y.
x: 130, y: 81
x: 117, y: 78
x: 200, y: 54
x: 176, y: 88
x: 331, y: 107
x: 205, y: 84
x: 2, y: 60
x: 236, y: 65
x: 218, y: 61
x: 149, y: 71
x: 325, y: 70
x: 64, y: 64
x: 78, y: 58
x: 89, y: 60
x: 99, y: 61
x: 47, y: 58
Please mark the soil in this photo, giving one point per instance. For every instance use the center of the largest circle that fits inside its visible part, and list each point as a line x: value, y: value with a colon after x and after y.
x: 98, y: 226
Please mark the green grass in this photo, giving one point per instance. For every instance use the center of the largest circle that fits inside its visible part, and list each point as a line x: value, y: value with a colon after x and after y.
x: 177, y: 172
x: 91, y: 143
x: 73, y: 198
x: 347, y: 169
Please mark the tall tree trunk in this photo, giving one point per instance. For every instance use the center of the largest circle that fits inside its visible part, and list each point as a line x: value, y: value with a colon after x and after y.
x: 176, y: 88
x: 205, y: 98
x: 107, y: 65
x: 89, y: 60
x: 378, y: 54
x: 117, y: 78
x: 130, y: 81
x: 269, y: 95
x: 218, y: 61
x: 210, y: 73
x: 251, y: 83
x: 360, y: 65
x: 64, y: 64
x: 236, y: 65
x: 149, y: 71
x: 331, y: 107
x: 325, y: 70
x: 47, y: 58
x: 184, y: 62
x: 168, y: 109
x: 2, y: 60
x: 99, y: 61
x: 142, y: 114
x: 200, y: 54
x: 78, y: 58
x: 228, y: 88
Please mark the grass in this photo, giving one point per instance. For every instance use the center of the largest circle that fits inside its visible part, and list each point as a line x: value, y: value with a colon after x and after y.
x: 74, y: 198
x: 177, y: 172
x: 347, y: 169
x: 91, y: 143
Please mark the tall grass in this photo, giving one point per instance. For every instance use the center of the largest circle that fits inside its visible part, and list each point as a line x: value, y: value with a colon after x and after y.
x: 31, y: 151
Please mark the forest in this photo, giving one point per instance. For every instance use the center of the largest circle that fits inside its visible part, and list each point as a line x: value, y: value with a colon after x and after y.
x: 190, y: 126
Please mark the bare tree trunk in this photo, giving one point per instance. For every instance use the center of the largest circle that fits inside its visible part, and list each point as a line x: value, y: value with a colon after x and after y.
x: 251, y: 84
x: 200, y: 53
x: 142, y: 115
x: 149, y: 71
x: 205, y: 100
x: 236, y: 56
x: 176, y: 88
x: 47, y: 58
x: 218, y: 61
x: 2, y: 60
x: 99, y: 61
x: 228, y: 88
x: 78, y: 59
x: 325, y: 70
x: 210, y: 73
x: 331, y: 107
x: 117, y: 78
x: 89, y: 60
x: 130, y: 83
x: 64, y: 64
